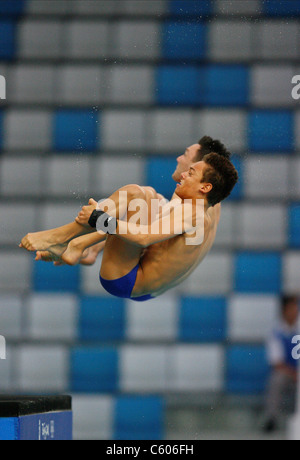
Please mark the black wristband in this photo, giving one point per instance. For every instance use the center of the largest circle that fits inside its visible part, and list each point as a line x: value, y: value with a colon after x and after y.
x: 94, y: 217
x: 103, y: 222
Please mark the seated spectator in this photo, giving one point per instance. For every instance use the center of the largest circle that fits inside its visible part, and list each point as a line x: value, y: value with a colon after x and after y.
x: 283, y: 366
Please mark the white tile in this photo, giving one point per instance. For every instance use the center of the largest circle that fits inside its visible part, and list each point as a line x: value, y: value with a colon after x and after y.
x: 20, y: 176
x: 277, y: 39
x: 11, y: 311
x: 42, y: 369
x: 229, y: 126
x: 196, y: 368
x: 270, y: 233
x: 170, y: 130
x: 6, y: 90
x: 266, y: 177
x: 291, y: 273
x: 113, y: 172
x: 57, y: 215
x: 230, y: 40
x: 225, y: 234
x: 20, y: 219
x: 2, y: 348
x: 238, y: 7
x: 52, y: 317
x: 137, y: 39
x: 15, y: 271
x: 32, y: 84
x: 153, y: 320
x: 131, y: 84
x: 295, y: 178
x: 251, y: 317
x: 93, y: 417
x: 51, y: 7
x: 27, y: 130
x: 213, y: 276
x: 271, y: 86
x: 143, y: 369
x: 7, y: 383
x: 40, y: 39
x: 136, y: 7
x: 123, y: 129
x: 68, y: 176
x: 80, y: 85
x: 81, y: 37
x: 92, y: 7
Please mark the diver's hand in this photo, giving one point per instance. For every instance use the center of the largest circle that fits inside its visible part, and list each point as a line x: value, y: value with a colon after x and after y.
x: 86, y: 212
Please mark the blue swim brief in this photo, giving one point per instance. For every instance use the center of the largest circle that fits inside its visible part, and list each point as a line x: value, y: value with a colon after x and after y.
x: 123, y: 287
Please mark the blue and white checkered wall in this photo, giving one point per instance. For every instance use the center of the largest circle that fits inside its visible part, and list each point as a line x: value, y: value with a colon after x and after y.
x: 101, y: 94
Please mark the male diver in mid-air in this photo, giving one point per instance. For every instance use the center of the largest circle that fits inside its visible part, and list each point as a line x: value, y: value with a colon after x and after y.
x: 192, y: 154
x: 144, y: 264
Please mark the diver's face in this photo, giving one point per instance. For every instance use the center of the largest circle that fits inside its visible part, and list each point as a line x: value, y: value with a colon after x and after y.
x: 185, y: 161
x: 291, y: 313
x: 191, y: 182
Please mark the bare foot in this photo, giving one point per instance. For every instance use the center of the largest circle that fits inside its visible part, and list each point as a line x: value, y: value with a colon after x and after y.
x: 89, y: 257
x: 47, y: 256
x: 73, y: 254
x: 43, y: 241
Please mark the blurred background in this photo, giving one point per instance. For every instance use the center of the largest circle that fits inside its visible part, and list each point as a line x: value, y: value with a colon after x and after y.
x: 100, y: 94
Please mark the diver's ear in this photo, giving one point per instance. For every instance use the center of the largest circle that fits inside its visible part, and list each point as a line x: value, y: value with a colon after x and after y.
x: 206, y: 187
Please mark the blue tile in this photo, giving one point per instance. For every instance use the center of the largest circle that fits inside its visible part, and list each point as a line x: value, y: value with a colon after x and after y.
x: 203, y: 319
x: 227, y: 85
x: 271, y: 131
x: 159, y: 172
x: 184, y: 40
x: 281, y: 8
x: 190, y: 8
x: 238, y: 191
x: 178, y: 85
x: 139, y: 418
x: 48, y: 278
x: 294, y: 225
x: 258, y: 272
x: 102, y: 319
x: 8, y: 428
x: 94, y: 370
x: 12, y: 7
x: 7, y: 40
x: 247, y: 370
x: 76, y: 130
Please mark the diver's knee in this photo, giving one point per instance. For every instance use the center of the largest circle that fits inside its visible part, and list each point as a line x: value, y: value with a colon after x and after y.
x: 133, y: 191
x: 151, y: 191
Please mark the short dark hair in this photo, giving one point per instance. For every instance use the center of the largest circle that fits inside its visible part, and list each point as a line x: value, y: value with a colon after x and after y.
x: 209, y: 145
x: 223, y: 176
x: 286, y: 300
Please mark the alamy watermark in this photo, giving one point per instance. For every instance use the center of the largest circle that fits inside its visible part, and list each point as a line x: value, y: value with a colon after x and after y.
x: 2, y: 87
x: 2, y: 347
x: 174, y: 218
x: 296, y: 89
x: 296, y: 349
